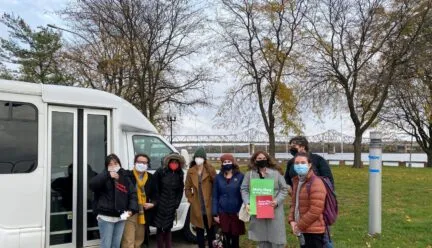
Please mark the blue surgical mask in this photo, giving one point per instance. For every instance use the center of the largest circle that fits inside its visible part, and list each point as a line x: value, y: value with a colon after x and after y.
x: 301, y: 169
x: 141, y: 167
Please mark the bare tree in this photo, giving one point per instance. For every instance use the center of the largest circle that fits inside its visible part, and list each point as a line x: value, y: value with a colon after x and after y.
x: 356, y: 48
x: 145, y: 49
x: 410, y: 101
x: 259, y: 38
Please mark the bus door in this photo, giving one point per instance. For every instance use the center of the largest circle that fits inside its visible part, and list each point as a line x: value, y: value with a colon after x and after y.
x: 78, y: 142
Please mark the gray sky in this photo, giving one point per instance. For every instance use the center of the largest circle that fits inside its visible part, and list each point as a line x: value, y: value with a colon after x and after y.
x: 200, y: 121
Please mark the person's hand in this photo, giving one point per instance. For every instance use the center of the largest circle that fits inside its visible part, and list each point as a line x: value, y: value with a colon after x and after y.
x: 148, y: 205
x: 216, y: 219
x: 114, y: 175
x: 294, y: 227
x: 297, y: 230
x: 274, y: 204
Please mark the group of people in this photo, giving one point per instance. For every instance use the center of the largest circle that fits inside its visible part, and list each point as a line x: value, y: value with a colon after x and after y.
x: 128, y: 202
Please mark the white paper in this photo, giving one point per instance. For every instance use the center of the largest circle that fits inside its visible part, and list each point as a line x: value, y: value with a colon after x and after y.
x: 124, y: 215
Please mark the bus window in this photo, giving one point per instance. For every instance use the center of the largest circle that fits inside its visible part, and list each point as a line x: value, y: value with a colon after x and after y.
x: 19, y: 137
x: 154, y: 147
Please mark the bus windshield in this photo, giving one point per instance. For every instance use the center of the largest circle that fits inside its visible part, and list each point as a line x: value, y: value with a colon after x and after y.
x: 154, y: 147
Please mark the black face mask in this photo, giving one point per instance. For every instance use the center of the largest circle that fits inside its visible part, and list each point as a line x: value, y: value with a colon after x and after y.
x: 293, y: 151
x: 261, y: 163
x: 227, y: 167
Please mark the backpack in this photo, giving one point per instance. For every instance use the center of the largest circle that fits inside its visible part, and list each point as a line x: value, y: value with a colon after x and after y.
x: 331, y: 205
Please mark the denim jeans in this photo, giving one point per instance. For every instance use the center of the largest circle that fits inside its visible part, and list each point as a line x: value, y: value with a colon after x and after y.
x: 110, y: 233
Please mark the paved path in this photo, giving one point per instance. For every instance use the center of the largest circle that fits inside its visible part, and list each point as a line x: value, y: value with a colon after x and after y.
x: 178, y: 241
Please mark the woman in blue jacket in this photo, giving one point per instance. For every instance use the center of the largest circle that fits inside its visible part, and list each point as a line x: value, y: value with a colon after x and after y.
x: 227, y: 201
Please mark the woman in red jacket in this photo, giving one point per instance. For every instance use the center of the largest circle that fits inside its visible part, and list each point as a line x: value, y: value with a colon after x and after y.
x: 308, y: 198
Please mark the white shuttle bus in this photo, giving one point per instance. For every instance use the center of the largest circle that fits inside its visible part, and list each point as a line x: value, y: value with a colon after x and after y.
x: 53, y: 139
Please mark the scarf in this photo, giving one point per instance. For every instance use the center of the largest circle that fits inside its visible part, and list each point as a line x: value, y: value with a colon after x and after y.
x: 297, y: 210
x: 142, y: 199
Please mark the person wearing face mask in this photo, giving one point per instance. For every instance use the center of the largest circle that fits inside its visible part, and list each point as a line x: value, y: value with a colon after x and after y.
x: 137, y: 226
x: 268, y: 233
x: 308, y: 200
x: 169, y: 181
x: 227, y: 201
x: 198, y: 190
x: 115, y: 195
x: 319, y: 164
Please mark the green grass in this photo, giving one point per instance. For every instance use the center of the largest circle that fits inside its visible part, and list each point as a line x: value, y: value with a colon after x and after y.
x: 406, y: 204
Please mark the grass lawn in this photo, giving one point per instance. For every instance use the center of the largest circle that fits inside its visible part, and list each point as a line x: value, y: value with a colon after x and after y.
x: 406, y: 216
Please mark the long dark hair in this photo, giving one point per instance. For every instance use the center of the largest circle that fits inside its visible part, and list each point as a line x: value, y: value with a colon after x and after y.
x: 110, y: 158
x: 271, y: 162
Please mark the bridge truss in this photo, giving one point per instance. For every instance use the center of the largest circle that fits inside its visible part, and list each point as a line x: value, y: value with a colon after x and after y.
x: 254, y: 136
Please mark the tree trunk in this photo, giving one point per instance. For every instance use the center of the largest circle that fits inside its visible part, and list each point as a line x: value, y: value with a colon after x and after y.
x: 357, y: 150
x: 272, y: 141
x: 429, y: 160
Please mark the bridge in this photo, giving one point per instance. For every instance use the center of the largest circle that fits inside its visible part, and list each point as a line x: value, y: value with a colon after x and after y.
x: 255, y: 136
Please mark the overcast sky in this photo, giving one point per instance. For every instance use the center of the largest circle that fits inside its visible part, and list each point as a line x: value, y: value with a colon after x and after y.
x: 41, y: 12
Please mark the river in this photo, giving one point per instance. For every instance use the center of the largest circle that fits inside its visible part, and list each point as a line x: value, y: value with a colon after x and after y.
x: 389, y: 159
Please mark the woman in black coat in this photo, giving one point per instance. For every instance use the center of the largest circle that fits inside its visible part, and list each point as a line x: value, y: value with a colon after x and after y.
x: 115, y: 195
x: 169, y: 180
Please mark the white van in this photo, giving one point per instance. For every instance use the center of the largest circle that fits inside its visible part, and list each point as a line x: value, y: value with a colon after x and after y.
x: 53, y: 139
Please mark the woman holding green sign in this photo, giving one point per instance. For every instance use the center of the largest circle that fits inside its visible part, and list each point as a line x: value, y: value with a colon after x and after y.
x: 265, y: 180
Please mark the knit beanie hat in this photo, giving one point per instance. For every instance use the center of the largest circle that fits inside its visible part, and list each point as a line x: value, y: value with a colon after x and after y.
x: 227, y: 156
x: 200, y: 153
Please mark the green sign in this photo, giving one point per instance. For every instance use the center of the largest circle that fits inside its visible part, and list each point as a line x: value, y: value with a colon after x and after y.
x: 259, y: 187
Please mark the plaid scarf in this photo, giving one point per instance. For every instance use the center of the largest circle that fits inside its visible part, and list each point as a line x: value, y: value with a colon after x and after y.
x: 142, y: 199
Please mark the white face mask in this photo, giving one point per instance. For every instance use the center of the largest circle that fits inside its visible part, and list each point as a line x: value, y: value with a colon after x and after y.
x: 115, y: 168
x: 140, y: 167
x: 199, y: 161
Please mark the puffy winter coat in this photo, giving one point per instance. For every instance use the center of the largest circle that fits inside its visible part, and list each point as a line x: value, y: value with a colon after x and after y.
x: 170, y: 189
x: 311, y: 206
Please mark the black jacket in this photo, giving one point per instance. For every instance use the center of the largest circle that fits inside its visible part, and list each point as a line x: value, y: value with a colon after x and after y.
x: 319, y: 166
x: 113, y: 197
x: 170, y: 188
x: 152, y: 195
